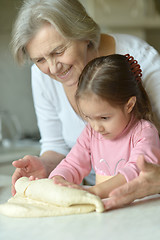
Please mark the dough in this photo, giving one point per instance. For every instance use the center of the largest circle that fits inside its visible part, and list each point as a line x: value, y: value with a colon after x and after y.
x: 43, y: 198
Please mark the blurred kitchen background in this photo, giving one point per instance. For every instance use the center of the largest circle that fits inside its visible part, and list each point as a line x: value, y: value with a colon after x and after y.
x: 17, y: 116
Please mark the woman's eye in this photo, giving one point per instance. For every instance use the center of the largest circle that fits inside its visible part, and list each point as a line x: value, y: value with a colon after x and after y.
x: 41, y: 60
x: 60, y: 51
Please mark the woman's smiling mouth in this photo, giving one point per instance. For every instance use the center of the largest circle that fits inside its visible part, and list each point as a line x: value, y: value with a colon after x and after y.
x: 65, y: 73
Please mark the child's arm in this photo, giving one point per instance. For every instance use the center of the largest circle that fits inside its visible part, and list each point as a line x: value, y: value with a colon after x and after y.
x: 148, y: 183
x: 103, y: 189
x: 77, y: 163
x: 62, y: 182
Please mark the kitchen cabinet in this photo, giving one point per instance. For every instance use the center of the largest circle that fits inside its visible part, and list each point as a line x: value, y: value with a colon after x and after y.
x: 122, y: 16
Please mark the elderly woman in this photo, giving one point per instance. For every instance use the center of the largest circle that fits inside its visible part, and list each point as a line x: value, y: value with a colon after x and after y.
x: 60, y: 38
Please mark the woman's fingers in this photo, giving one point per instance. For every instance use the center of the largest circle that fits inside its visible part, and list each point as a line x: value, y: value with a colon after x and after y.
x: 21, y: 163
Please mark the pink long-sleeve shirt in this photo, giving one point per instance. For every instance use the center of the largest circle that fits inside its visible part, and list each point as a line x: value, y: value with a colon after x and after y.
x: 110, y: 157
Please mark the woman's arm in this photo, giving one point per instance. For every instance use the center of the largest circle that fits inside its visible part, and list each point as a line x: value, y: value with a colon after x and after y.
x: 48, y: 109
x: 51, y: 159
x: 147, y: 183
x: 35, y: 166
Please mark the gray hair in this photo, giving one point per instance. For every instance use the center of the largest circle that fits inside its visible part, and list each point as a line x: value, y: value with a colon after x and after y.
x: 69, y: 18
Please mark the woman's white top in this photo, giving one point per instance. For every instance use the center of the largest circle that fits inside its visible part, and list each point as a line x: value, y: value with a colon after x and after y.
x: 58, y: 123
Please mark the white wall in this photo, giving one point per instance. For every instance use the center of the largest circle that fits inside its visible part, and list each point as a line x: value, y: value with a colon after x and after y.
x: 15, y: 88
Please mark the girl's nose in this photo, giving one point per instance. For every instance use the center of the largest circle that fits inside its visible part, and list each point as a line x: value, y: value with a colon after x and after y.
x: 97, y: 127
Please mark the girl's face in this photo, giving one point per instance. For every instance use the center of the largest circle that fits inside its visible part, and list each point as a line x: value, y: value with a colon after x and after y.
x: 57, y: 57
x: 109, y: 121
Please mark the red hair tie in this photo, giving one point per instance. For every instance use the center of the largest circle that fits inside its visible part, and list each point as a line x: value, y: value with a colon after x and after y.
x: 135, y: 67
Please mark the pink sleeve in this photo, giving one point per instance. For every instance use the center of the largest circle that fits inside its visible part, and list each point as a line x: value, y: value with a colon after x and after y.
x: 145, y: 142
x: 77, y: 163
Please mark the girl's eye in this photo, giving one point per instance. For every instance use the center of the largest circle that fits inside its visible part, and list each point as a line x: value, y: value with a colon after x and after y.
x: 104, y: 118
x: 86, y: 117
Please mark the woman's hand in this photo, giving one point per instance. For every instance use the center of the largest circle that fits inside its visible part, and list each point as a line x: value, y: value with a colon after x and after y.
x: 147, y: 183
x: 27, y: 167
x: 62, y: 182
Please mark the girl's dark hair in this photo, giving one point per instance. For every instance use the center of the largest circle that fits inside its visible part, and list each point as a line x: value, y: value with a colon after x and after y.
x: 111, y: 78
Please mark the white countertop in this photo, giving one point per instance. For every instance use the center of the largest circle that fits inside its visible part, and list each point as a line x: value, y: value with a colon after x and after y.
x: 140, y: 221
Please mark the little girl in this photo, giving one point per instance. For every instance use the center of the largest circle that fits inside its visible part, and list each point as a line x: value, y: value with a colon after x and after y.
x: 111, y: 98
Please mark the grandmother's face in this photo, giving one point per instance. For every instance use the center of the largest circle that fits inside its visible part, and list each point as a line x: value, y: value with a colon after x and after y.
x: 57, y: 57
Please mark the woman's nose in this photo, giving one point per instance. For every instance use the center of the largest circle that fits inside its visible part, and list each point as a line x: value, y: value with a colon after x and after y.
x: 53, y: 65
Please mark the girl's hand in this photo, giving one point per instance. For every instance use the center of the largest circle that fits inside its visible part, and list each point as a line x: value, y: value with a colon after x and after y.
x: 32, y: 178
x: 62, y: 182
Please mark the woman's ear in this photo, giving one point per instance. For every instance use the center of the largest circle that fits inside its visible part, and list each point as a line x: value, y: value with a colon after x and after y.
x: 130, y: 104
